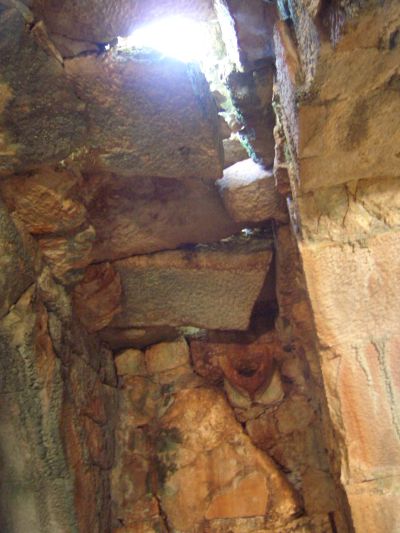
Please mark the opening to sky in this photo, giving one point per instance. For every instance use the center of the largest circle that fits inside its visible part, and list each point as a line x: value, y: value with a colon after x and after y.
x: 176, y: 36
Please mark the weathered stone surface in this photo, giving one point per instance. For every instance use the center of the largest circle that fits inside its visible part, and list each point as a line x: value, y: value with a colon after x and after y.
x: 208, y: 435
x: 55, y: 440
x: 68, y: 255
x: 344, y: 117
x: 45, y: 201
x: 361, y: 382
x: 377, y: 498
x: 167, y: 356
x: 102, y: 21
x: 130, y: 363
x: 36, y: 486
x: 97, y: 297
x: 211, y: 288
x: 250, y: 195
x: 351, y: 212
x: 147, y: 116
x: 136, y: 216
x: 16, y: 266
x: 41, y: 118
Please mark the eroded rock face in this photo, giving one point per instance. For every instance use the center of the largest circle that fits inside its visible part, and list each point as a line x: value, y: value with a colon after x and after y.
x: 56, y: 456
x: 147, y: 116
x: 213, y: 288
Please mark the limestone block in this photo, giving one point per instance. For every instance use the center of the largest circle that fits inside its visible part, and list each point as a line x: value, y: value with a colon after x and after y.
x: 249, y: 193
x: 147, y: 116
x: 137, y: 216
x: 118, y: 338
x: 338, y: 108
x: 42, y: 119
x: 213, y: 288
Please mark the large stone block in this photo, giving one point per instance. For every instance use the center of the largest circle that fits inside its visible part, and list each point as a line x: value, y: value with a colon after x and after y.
x: 147, y: 116
x: 139, y: 216
x: 41, y: 118
x: 339, y: 103
x: 250, y: 195
x: 212, y: 288
x: 354, y: 298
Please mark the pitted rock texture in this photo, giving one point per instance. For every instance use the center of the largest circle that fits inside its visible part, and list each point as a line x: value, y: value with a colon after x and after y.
x: 56, y: 453
x: 147, y: 116
x: 212, y: 288
x: 42, y: 120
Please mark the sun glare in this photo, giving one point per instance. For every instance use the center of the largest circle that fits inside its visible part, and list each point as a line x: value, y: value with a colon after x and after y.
x: 177, y: 37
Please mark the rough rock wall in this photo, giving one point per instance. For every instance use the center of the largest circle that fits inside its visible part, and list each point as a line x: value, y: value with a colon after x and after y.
x: 337, y: 68
x: 57, y: 402
x: 192, y: 434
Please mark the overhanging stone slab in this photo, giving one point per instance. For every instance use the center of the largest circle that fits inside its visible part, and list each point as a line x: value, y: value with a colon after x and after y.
x: 207, y: 288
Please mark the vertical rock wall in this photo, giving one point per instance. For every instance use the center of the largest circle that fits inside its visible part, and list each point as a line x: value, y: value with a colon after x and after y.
x: 336, y: 69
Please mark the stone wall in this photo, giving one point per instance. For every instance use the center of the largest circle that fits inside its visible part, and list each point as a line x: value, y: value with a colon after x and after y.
x: 193, y: 340
x: 336, y: 70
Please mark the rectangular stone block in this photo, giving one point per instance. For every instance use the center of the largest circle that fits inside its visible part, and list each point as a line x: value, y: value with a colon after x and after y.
x: 213, y: 288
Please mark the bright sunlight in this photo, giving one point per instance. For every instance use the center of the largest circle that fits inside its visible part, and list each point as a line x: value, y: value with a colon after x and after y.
x: 175, y: 36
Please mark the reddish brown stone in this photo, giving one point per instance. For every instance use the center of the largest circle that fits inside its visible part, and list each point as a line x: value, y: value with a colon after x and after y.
x: 97, y: 297
x: 45, y: 201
